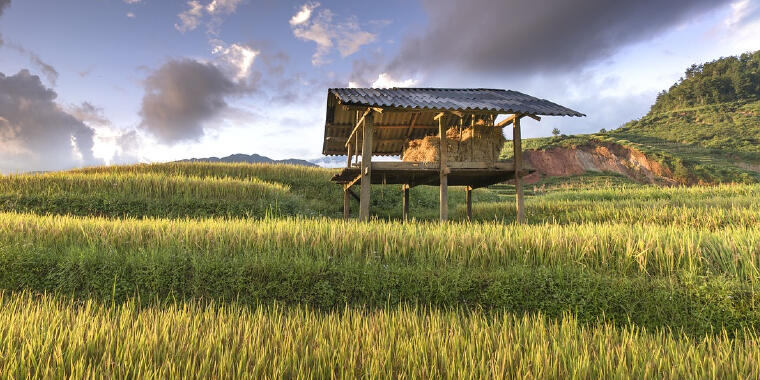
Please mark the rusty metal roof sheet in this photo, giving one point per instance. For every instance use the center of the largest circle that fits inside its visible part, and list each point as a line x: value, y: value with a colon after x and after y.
x: 452, y: 99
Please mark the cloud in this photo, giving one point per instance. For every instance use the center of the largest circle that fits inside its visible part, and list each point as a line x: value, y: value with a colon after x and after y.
x: 132, y: 1
x: 528, y: 36
x: 351, y: 38
x: 384, y: 80
x: 35, y: 133
x: 193, y: 16
x: 235, y: 58
x: 3, y: 4
x: 320, y: 29
x: 49, y: 71
x: 130, y: 15
x: 743, y: 12
x: 190, y: 18
x: 89, y: 114
x: 222, y: 6
x: 303, y: 14
x: 183, y: 95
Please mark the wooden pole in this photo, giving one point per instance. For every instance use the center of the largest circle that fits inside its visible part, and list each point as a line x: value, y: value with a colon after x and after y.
x: 366, y: 167
x: 405, y: 202
x: 468, y: 200
x: 348, y: 161
x: 444, y: 170
x: 517, y: 145
x: 346, y: 203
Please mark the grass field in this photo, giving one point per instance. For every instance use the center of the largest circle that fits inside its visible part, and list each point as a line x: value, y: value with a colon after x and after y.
x: 235, y: 270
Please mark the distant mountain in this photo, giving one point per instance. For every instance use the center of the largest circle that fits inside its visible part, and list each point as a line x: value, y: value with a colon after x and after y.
x: 330, y: 161
x: 250, y: 158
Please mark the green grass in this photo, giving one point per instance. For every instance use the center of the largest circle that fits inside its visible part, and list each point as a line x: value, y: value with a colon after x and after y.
x: 55, y: 337
x: 203, y: 190
x: 685, y: 278
x: 105, y: 265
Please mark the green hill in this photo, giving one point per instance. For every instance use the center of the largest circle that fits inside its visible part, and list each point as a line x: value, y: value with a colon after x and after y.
x: 200, y: 189
x: 704, y: 129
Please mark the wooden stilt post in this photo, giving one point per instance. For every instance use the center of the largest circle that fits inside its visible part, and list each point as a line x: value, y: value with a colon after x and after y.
x: 444, y: 170
x: 517, y: 145
x: 366, y: 166
x: 348, y: 161
x: 346, y: 203
x: 405, y: 202
x: 468, y: 200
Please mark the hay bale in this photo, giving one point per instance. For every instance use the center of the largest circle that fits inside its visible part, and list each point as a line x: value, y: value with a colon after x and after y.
x: 472, y: 144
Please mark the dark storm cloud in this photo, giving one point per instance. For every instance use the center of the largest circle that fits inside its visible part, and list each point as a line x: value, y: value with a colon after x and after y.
x: 35, y: 133
x: 528, y: 36
x: 182, y: 95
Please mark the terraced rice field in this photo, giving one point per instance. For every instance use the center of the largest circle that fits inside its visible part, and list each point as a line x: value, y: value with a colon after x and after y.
x: 232, y: 270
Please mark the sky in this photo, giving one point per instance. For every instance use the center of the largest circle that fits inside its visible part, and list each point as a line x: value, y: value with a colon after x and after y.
x: 93, y: 82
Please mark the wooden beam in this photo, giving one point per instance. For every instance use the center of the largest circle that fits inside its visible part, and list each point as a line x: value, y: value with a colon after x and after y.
x: 405, y: 202
x: 517, y: 145
x: 443, y: 170
x: 468, y: 201
x: 390, y: 165
x: 534, y: 117
x: 389, y: 126
x: 348, y: 154
x: 354, y: 181
x: 509, y: 120
x: 358, y: 124
x: 353, y: 195
x: 411, y: 125
x: 439, y: 116
x: 366, y: 175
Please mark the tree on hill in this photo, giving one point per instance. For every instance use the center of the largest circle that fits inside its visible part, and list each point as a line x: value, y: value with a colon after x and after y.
x: 723, y: 80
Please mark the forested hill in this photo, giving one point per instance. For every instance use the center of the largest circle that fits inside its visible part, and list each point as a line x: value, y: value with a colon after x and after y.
x: 724, y: 80
x: 703, y: 129
x: 715, y: 106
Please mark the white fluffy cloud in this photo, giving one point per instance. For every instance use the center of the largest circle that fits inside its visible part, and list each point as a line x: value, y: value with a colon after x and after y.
x: 320, y: 29
x: 191, y: 17
x: 194, y: 14
x: 222, y: 6
x: 384, y: 80
x: 303, y: 14
x: 236, y: 59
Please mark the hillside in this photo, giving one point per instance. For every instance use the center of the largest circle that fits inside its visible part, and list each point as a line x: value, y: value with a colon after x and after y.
x: 202, y: 189
x: 250, y: 159
x: 704, y: 129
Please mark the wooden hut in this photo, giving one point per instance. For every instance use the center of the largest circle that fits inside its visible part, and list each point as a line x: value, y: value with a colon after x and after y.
x: 367, y: 122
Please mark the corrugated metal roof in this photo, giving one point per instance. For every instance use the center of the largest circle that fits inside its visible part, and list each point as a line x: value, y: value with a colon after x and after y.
x: 409, y: 113
x: 452, y: 99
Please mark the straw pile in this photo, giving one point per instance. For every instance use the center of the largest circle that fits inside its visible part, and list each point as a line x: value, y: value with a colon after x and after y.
x: 472, y: 144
